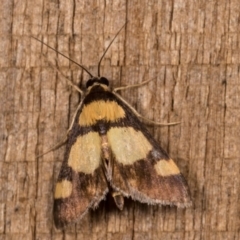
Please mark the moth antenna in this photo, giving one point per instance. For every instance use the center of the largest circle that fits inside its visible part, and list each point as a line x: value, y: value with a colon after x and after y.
x: 99, y: 63
x: 81, y: 66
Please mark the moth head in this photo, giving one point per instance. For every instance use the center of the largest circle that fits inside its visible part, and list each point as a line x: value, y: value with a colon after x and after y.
x: 97, y: 81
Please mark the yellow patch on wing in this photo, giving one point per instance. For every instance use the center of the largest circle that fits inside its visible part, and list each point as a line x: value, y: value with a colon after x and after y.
x: 100, y: 110
x: 85, y: 153
x: 63, y: 189
x: 128, y: 145
x: 166, y: 168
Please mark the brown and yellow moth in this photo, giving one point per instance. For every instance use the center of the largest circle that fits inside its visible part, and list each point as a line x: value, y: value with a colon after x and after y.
x: 109, y: 150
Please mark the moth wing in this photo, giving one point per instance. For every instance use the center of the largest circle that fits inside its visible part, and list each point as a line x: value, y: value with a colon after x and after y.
x: 81, y: 183
x: 142, y: 169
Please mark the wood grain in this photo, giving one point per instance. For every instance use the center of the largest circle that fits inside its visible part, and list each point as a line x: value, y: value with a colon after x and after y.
x: 192, y: 47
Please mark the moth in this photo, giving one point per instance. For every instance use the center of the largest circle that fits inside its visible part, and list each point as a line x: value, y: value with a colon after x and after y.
x: 110, y: 151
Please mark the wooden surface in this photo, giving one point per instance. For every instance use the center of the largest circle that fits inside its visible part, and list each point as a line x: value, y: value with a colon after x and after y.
x: 192, y: 47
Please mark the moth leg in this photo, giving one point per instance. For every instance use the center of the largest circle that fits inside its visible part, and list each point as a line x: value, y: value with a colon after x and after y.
x: 54, y: 147
x: 67, y: 79
x: 74, y: 116
x: 147, y: 121
x: 118, y: 199
x: 133, y: 86
x: 73, y: 85
x: 150, y: 122
x: 66, y: 138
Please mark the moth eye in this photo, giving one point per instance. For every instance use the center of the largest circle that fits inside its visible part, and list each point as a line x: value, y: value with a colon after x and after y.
x: 104, y: 81
x: 90, y: 82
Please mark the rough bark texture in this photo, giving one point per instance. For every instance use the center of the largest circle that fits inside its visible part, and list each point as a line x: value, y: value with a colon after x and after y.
x: 192, y: 47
